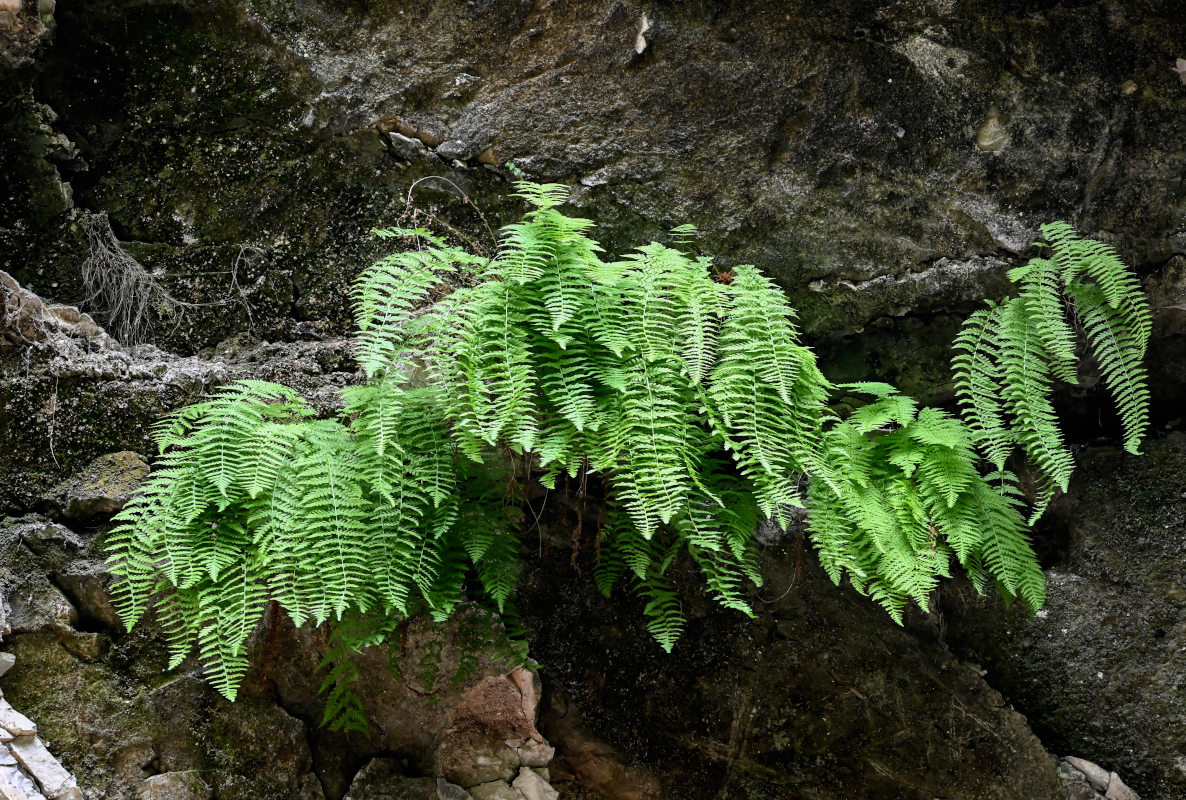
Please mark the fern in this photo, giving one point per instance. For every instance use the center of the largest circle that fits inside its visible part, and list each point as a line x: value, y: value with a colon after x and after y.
x: 1008, y: 355
x: 688, y: 393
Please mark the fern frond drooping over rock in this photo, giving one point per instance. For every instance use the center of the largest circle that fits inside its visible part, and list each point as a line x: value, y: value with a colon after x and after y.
x: 691, y: 397
x: 1008, y: 355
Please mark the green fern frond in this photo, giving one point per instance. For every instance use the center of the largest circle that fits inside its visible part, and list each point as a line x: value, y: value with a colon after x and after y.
x: 665, y: 617
x: 657, y: 418
x: 1026, y: 390
x: 1042, y: 293
x: 496, y: 365
x: 687, y: 393
x: 343, y: 707
x: 389, y: 300
x: 978, y: 376
x: 541, y: 195
x: 765, y: 393
x: 1119, y: 348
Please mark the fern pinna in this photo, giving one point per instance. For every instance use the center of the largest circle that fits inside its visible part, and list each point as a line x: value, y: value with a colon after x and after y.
x: 692, y: 398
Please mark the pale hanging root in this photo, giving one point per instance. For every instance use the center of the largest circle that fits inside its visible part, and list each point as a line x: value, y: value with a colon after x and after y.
x: 126, y: 292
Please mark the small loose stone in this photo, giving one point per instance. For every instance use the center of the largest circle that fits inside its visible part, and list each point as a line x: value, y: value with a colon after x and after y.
x: 992, y: 135
x: 1096, y: 775
x: 1117, y: 790
x: 14, y: 721
x: 533, y: 786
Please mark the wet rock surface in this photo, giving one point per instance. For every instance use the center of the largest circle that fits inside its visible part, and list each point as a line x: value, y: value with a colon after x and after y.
x: 1099, y: 670
x: 820, y: 696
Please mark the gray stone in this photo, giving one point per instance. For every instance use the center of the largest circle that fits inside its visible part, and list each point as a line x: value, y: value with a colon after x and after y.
x: 408, y: 148
x: 450, y: 791
x: 455, y: 149
x: 495, y: 790
x: 533, y: 787
x: 1074, y: 784
x: 14, y: 721
x: 38, y: 605
x: 174, y: 786
x: 383, y: 779
x: 44, y: 537
x: 536, y: 754
x: 103, y: 487
x: 1096, y: 775
x: 1117, y: 790
x: 7, y: 660
x: 55, y: 781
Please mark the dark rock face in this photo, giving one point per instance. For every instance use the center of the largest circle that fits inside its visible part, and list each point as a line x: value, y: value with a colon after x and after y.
x: 879, y: 160
x: 820, y: 696
x: 885, y: 161
x: 25, y: 25
x: 70, y: 393
x: 1099, y: 670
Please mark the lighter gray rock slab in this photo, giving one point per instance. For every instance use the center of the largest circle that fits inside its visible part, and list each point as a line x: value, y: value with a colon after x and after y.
x: 533, y: 786
x: 15, y: 785
x: 495, y: 790
x: 1096, y: 775
x: 14, y: 721
x: 174, y: 786
x: 7, y: 660
x: 1117, y: 790
x: 55, y: 780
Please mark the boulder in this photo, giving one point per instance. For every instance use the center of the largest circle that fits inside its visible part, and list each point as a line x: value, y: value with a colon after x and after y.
x: 102, y: 488
x: 384, y: 779
x: 174, y: 786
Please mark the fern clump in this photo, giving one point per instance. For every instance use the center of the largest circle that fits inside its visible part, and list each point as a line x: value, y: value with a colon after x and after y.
x: 1008, y: 355
x: 692, y: 398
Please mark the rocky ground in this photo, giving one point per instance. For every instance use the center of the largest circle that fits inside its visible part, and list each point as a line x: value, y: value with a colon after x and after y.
x: 886, y: 162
